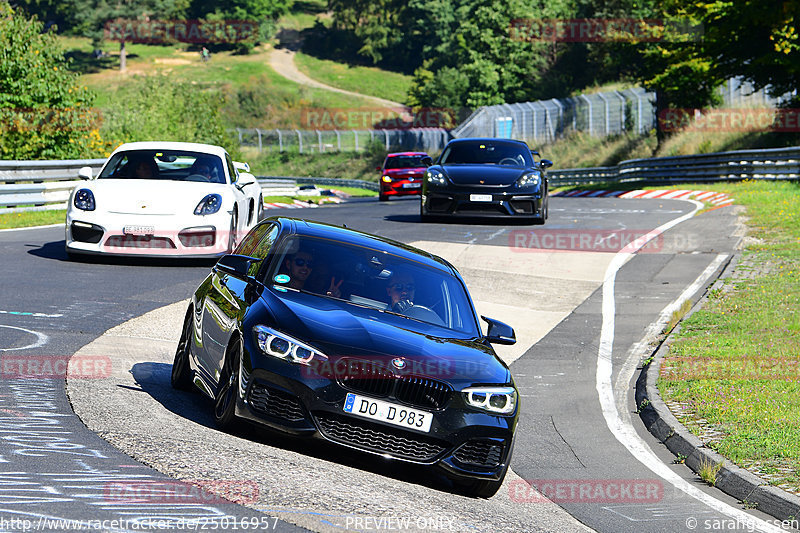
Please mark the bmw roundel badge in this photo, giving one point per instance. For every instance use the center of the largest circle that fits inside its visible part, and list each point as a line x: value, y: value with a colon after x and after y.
x: 399, y: 363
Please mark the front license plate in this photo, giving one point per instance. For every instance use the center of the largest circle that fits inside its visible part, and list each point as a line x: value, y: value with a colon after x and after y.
x: 480, y: 197
x: 139, y: 230
x: 392, y: 413
x: 412, y: 185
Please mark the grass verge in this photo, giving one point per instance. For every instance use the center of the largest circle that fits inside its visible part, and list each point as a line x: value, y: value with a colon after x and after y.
x: 732, y: 375
x: 32, y: 218
x: 361, y: 79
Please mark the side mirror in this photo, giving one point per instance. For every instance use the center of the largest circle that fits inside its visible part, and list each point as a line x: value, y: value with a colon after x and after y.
x: 534, y: 152
x: 378, y: 168
x: 427, y: 161
x: 242, y: 167
x: 236, y: 265
x: 85, y: 173
x: 545, y: 163
x: 499, y: 332
x: 245, y: 179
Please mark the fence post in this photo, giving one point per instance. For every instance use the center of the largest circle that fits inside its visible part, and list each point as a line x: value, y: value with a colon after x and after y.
x: 239, y: 131
x: 258, y: 131
x: 607, y: 117
x: 355, y: 138
x: 560, y: 125
x: 386, y: 138
x: 622, y: 108
x: 338, y: 140
x: 300, y: 140
x: 280, y: 141
x: 641, y: 118
x: 590, y: 113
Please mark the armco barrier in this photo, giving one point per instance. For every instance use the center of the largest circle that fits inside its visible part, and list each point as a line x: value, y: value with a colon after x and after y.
x: 47, y: 184
x: 41, y: 185
x: 770, y: 164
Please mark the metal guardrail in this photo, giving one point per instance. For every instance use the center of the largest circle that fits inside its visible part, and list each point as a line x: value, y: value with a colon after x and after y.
x: 37, y: 185
x: 769, y: 164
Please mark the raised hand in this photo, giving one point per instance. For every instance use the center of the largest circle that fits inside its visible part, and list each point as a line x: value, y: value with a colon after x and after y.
x: 333, y: 290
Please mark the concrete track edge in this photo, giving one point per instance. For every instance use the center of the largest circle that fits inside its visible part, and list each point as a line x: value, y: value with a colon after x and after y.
x: 659, y: 420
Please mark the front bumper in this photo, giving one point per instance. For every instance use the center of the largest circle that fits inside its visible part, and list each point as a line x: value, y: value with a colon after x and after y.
x: 147, y: 235
x: 401, y: 188
x: 496, y: 204
x: 463, y: 442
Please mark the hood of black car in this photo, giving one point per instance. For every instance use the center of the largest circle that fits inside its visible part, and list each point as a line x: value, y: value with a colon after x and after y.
x: 347, y: 332
x: 486, y: 175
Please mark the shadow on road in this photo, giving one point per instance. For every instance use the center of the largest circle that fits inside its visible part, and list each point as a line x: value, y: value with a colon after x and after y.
x: 55, y: 251
x: 154, y: 379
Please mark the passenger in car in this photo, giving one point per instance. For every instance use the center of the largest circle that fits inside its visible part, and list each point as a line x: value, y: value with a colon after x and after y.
x: 300, y: 267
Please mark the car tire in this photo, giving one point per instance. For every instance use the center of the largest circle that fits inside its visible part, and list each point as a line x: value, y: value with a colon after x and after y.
x: 545, y: 208
x: 227, y: 389
x: 382, y: 198
x: 422, y: 216
x: 181, y: 378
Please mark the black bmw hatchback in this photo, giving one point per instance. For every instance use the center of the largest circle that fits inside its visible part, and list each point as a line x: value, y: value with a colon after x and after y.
x: 486, y: 178
x: 330, y: 333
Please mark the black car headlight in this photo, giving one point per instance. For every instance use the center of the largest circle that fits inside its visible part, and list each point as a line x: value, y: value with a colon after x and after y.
x: 282, y: 346
x: 435, y: 178
x: 500, y: 400
x: 84, y: 200
x: 530, y: 180
x: 209, y: 205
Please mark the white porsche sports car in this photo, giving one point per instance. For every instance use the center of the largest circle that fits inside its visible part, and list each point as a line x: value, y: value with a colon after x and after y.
x: 163, y: 198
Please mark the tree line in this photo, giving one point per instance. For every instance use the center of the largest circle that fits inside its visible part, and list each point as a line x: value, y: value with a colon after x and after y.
x: 469, y: 53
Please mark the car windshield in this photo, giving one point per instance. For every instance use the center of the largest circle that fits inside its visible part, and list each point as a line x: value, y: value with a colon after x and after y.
x: 483, y: 152
x: 404, y: 161
x: 176, y: 165
x: 372, y: 278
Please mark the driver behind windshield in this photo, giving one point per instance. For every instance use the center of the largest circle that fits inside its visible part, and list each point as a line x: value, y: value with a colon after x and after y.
x: 400, y: 291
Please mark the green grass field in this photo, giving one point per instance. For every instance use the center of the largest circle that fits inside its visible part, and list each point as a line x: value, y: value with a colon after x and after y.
x: 367, y: 80
x: 732, y: 375
x: 32, y: 218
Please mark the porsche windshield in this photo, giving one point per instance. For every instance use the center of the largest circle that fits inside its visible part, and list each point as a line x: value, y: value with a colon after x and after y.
x: 373, y: 278
x: 481, y: 153
x: 176, y: 165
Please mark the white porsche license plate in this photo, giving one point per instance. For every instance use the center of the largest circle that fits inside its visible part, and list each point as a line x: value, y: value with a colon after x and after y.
x: 139, y: 230
x: 412, y: 185
x: 392, y: 413
x: 480, y: 197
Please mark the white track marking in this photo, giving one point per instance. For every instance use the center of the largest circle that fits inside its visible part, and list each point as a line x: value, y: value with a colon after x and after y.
x: 24, y: 313
x: 625, y: 433
x: 41, y: 339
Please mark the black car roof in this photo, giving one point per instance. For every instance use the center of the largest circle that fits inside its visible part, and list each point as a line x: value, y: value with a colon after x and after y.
x: 311, y: 228
x: 487, y: 140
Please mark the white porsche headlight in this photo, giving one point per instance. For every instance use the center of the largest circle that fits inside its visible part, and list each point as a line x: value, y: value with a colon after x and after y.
x: 84, y: 200
x: 209, y: 205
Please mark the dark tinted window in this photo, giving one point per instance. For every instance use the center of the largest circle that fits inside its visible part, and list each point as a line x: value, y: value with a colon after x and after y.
x: 481, y: 153
x: 372, y: 278
x: 177, y: 165
x: 258, y: 243
x: 405, y: 161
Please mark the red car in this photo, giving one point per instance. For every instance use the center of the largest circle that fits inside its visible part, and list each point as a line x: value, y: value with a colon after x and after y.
x: 401, y: 174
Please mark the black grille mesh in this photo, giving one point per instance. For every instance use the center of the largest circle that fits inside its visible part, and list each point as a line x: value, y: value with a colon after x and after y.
x: 480, y: 452
x: 274, y: 402
x: 421, y: 392
x: 381, y: 439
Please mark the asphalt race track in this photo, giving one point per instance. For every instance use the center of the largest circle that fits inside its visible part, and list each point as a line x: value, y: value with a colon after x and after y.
x: 581, y: 311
